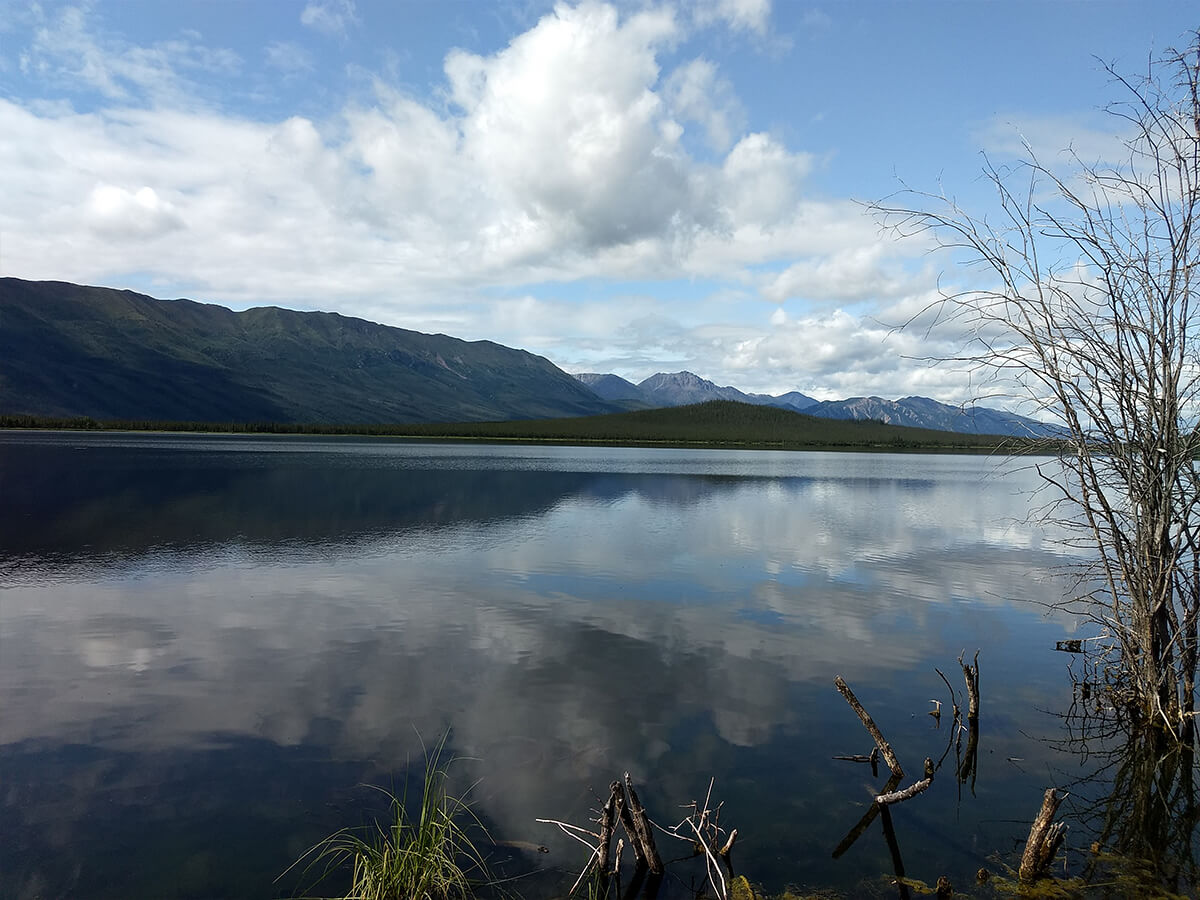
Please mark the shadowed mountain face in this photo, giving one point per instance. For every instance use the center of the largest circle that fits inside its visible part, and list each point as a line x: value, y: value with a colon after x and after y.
x: 68, y: 350
x: 612, y: 387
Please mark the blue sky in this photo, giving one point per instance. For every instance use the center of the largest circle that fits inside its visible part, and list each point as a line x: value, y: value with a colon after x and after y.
x: 626, y: 188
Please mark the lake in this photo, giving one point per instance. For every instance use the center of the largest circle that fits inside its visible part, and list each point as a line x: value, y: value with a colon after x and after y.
x: 209, y: 644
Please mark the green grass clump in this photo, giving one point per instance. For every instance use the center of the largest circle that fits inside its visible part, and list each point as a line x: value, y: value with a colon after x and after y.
x: 428, y: 856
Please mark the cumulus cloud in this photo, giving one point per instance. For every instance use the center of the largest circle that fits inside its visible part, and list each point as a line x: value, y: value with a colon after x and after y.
x: 560, y: 158
x: 125, y: 213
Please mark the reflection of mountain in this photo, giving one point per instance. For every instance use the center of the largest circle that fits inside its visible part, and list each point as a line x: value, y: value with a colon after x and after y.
x: 94, y: 503
x: 83, y: 501
x: 113, y: 507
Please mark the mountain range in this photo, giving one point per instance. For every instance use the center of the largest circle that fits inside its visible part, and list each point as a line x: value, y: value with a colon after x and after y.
x: 685, y: 388
x: 71, y: 350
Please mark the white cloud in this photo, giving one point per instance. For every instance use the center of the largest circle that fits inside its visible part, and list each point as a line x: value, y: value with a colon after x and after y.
x: 331, y: 17
x: 564, y: 124
x: 836, y: 354
x: 130, y: 214
x: 697, y: 93
x: 853, y: 274
x: 559, y: 159
x: 741, y: 15
x: 761, y: 180
x: 67, y: 51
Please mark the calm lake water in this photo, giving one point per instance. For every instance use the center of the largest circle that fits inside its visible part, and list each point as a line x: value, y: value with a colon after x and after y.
x: 208, y: 645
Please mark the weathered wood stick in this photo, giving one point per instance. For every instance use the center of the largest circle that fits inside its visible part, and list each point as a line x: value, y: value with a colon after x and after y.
x: 884, y: 747
x: 607, y: 821
x: 639, y: 855
x: 890, y: 797
x: 1044, y: 839
x: 641, y: 823
x: 728, y: 848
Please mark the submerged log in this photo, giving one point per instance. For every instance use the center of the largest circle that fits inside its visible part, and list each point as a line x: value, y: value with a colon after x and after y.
x: 1045, y: 837
x: 885, y: 748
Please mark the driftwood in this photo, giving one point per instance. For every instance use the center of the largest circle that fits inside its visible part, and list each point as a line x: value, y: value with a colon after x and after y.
x: 885, y: 748
x: 608, y: 819
x: 622, y: 806
x: 642, y: 834
x: 1045, y: 837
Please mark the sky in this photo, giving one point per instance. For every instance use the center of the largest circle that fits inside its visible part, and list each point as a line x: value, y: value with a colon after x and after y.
x: 629, y: 188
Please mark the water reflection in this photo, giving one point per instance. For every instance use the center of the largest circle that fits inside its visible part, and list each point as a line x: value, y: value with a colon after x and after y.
x: 209, y: 636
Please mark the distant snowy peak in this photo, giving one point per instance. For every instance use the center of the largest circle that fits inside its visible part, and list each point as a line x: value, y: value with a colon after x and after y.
x: 684, y: 388
x: 922, y: 412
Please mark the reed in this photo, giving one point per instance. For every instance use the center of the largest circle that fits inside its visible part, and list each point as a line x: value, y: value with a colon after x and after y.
x: 421, y: 855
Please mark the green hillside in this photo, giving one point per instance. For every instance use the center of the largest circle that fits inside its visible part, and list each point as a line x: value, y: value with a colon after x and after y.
x: 68, y: 350
x: 718, y: 424
x: 723, y: 423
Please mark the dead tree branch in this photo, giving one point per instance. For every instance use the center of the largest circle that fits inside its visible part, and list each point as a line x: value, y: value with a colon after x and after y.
x: 885, y: 749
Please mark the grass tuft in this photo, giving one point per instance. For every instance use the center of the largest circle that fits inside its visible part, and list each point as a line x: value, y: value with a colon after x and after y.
x: 426, y: 856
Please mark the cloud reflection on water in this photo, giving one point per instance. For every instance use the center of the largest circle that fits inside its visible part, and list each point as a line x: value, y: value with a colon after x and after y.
x: 567, y: 622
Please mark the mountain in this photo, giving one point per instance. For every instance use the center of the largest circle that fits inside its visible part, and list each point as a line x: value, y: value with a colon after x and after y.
x: 611, y: 387
x: 791, y: 400
x: 682, y: 389
x: 921, y: 412
x: 68, y: 350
